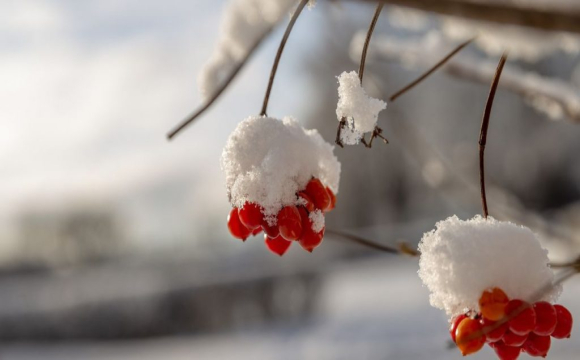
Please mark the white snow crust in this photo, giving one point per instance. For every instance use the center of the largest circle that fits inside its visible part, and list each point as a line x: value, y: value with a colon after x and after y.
x: 461, y: 259
x: 360, y: 110
x: 267, y: 161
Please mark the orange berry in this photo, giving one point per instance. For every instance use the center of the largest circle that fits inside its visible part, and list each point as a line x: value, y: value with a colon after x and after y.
x: 469, y: 336
x: 492, y: 304
x: 454, y: 324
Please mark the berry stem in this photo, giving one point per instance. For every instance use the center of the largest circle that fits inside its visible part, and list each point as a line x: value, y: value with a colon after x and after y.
x: 289, y: 28
x: 370, y: 32
x: 403, y: 249
x: 485, y: 127
x: 431, y: 70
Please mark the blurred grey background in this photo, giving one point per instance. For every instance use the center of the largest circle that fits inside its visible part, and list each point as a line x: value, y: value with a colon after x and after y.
x: 113, y: 241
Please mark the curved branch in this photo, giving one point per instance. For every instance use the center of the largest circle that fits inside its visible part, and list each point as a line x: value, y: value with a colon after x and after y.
x: 289, y: 28
x: 484, y: 128
x: 368, y: 38
x: 226, y: 83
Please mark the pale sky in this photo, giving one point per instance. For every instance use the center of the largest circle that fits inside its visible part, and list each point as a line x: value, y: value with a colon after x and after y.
x: 89, y: 90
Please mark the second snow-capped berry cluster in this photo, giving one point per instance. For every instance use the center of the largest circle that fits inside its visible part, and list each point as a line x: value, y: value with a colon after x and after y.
x: 511, y: 326
x: 480, y: 272
x: 303, y: 223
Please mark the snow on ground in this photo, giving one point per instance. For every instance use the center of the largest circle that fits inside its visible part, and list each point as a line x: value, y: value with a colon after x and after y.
x: 372, y: 309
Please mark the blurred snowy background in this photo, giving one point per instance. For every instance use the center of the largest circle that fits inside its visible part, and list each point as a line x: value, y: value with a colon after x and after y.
x: 113, y: 242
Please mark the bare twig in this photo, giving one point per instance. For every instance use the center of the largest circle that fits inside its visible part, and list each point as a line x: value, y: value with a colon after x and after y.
x: 363, y: 60
x: 209, y: 102
x: 484, y: 128
x: 548, y: 17
x: 431, y: 70
x: 574, y: 264
x: 402, y: 249
x: 368, y: 38
x: 289, y: 28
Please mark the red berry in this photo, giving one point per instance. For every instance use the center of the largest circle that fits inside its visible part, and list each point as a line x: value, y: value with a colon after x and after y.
x: 277, y: 245
x: 454, y: 324
x: 505, y: 352
x: 290, y: 223
x: 318, y: 194
x: 546, y: 318
x: 537, y: 345
x: 271, y: 231
x: 522, y: 317
x: 310, y: 239
x: 309, y: 205
x: 332, y: 199
x: 251, y: 215
x: 511, y: 339
x: 493, y: 330
x: 492, y: 304
x: 237, y: 229
x: 469, y: 336
x: 565, y: 322
x: 256, y: 231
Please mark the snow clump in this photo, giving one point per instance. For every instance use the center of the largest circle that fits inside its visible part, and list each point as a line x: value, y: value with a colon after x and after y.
x: 360, y: 110
x: 317, y: 219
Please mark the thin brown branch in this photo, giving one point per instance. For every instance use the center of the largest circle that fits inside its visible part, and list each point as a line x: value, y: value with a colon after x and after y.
x: 216, y: 95
x: 547, y: 17
x: 574, y: 264
x: 368, y: 38
x: 431, y: 70
x: 402, y: 249
x: 485, y: 127
x: 341, y: 125
x: 289, y: 28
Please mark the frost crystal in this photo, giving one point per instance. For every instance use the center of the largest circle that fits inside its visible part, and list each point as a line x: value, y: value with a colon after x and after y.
x: 317, y: 218
x: 460, y: 259
x: 267, y: 161
x: 244, y: 24
x: 360, y: 110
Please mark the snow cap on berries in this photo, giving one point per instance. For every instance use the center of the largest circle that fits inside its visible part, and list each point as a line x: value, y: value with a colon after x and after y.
x: 267, y: 161
x: 461, y: 259
x: 360, y: 110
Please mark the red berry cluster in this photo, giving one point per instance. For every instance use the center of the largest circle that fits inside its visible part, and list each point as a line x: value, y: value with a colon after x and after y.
x: 293, y: 222
x: 511, y: 326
